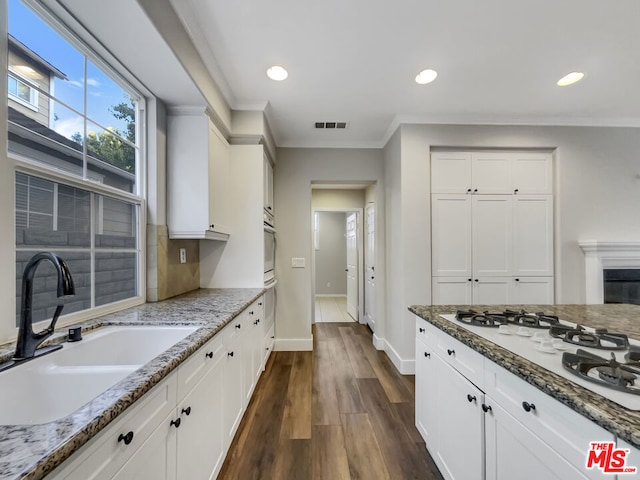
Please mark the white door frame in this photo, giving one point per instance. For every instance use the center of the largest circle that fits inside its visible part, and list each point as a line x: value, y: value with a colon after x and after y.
x: 360, y: 243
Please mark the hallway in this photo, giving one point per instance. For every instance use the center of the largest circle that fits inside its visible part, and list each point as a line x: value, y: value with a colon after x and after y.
x: 339, y: 412
x: 332, y: 310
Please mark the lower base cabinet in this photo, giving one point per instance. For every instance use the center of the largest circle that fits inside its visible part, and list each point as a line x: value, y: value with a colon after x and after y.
x: 489, y: 430
x: 182, y: 428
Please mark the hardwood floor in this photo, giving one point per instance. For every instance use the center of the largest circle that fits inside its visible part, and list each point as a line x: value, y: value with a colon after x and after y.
x: 332, y: 310
x: 339, y: 412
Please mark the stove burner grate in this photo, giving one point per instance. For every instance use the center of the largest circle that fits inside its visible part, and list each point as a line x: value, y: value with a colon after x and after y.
x: 533, y: 320
x: 610, y: 373
x: 485, y: 319
x: 600, y: 338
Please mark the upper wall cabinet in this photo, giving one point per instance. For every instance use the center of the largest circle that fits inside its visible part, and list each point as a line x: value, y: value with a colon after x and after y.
x: 198, y: 173
x: 490, y: 173
x: 268, y: 186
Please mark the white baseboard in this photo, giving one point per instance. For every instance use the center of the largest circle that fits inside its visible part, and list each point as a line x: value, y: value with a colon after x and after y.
x: 293, y: 344
x: 378, y: 342
x: 405, y: 367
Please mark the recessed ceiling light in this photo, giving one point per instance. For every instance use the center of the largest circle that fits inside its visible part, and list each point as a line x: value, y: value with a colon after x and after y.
x: 570, y: 78
x: 426, y: 76
x: 277, y: 73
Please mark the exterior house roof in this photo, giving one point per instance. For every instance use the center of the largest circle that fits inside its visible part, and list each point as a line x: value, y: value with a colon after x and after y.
x: 20, y: 48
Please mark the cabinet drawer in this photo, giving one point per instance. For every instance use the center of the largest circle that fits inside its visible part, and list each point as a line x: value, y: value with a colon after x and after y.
x: 269, y: 340
x: 465, y: 360
x: 196, y: 367
x: 234, y: 328
x: 566, y: 431
x: 425, y: 332
x: 104, y: 455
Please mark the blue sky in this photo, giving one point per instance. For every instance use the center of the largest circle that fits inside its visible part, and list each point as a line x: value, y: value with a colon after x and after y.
x: 102, y: 93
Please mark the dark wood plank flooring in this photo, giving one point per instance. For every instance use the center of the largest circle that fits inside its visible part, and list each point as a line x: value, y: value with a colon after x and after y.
x: 339, y: 412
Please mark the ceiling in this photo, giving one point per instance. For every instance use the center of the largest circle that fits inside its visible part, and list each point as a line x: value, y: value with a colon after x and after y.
x: 498, y: 62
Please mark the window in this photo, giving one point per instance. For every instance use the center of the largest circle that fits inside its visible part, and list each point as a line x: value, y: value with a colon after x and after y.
x: 21, y: 92
x: 78, y: 165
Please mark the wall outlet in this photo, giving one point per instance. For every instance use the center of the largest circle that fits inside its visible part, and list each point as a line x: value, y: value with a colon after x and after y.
x: 183, y: 255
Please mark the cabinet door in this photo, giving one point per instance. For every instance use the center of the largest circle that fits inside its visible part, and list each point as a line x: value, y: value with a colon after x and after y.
x: 451, y: 172
x: 492, y: 220
x: 268, y: 186
x: 513, y: 451
x: 491, y: 173
x: 233, y: 395
x: 451, y: 235
x: 531, y: 290
x: 533, y: 235
x: 532, y: 172
x: 155, y: 459
x: 200, y: 443
x: 460, y: 425
x: 492, y: 290
x: 426, y: 407
x: 219, y: 175
x: 452, y: 291
x: 252, y: 362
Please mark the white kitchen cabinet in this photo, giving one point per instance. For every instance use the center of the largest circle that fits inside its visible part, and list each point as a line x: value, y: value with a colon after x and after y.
x: 509, y: 430
x: 452, y: 291
x: 253, y: 348
x: 491, y: 231
x: 531, y: 290
x: 513, y: 451
x: 268, y: 186
x: 233, y: 398
x: 492, y: 290
x: 632, y: 458
x: 426, y: 401
x: 198, y: 172
x: 451, y: 240
x: 182, y: 428
x: 200, y: 443
x: 533, y: 235
x: 117, y: 445
x: 487, y: 173
x: 460, y: 425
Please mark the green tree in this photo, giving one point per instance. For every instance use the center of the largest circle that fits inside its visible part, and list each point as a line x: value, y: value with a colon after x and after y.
x: 108, y: 144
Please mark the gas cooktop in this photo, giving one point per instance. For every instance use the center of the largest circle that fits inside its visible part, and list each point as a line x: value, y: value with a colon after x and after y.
x: 595, y: 359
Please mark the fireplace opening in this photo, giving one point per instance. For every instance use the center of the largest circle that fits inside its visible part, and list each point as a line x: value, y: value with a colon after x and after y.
x: 622, y: 285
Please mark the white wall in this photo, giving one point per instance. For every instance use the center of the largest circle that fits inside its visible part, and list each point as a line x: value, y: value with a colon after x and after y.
x: 294, y: 173
x: 331, y: 256
x: 597, y: 195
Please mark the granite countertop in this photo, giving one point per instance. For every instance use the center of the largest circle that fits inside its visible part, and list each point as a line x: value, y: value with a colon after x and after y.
x: 32, y: 451
x: 609, y: 415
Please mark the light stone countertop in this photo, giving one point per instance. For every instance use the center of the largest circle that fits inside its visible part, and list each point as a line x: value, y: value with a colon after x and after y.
x: 609, y: 415
x: 32, y: 451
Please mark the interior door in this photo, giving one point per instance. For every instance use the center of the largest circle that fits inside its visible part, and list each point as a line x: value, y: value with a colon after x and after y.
x: 370, y: 270
x: 352, y: 265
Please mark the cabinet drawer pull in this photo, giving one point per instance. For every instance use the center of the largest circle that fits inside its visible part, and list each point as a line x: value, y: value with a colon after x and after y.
x: 528, y: 406
x: 468, y: 190
x: 127, y: 439
x: 238, y: 325
x: 186, y: 411
x: 212, y: 225
x: 427, y: 354
x: 475, y: 190
x: 451, y: 352
x: 471, y: 398
x: 260, y: 304
x: 515, y: 191
x: 421, y: 330
x: 486, y: 408
x: 256, y: 322
x: 176, y: 423
x: 209, y: 355
x: 251, y: 312
x: 230, y: 354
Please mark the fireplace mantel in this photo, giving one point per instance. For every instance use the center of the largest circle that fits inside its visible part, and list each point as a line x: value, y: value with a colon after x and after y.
x: 602, y: 255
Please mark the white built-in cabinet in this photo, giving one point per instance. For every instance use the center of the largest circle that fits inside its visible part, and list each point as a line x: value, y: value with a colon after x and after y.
x: 492, y: 228
x: 480, y: 421
x: 198, y: 174
x: 183, y: 427
x: 268, y: 187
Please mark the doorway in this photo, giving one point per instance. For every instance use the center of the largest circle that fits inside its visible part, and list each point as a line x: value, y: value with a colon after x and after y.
x: 338, y: 265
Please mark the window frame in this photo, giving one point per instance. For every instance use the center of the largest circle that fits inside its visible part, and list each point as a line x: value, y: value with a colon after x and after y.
x: 94, y: 52
x: 33, y: 89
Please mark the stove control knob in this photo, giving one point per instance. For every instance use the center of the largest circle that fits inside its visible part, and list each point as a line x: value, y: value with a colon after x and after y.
x: 528, y: 406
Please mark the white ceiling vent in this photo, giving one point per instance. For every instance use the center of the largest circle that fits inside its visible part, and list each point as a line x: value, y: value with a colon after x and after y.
x: 332, y: 125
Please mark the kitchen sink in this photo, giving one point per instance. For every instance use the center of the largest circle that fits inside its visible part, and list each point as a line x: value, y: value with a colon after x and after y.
x: 120, y: 345
x: 55, y: 385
